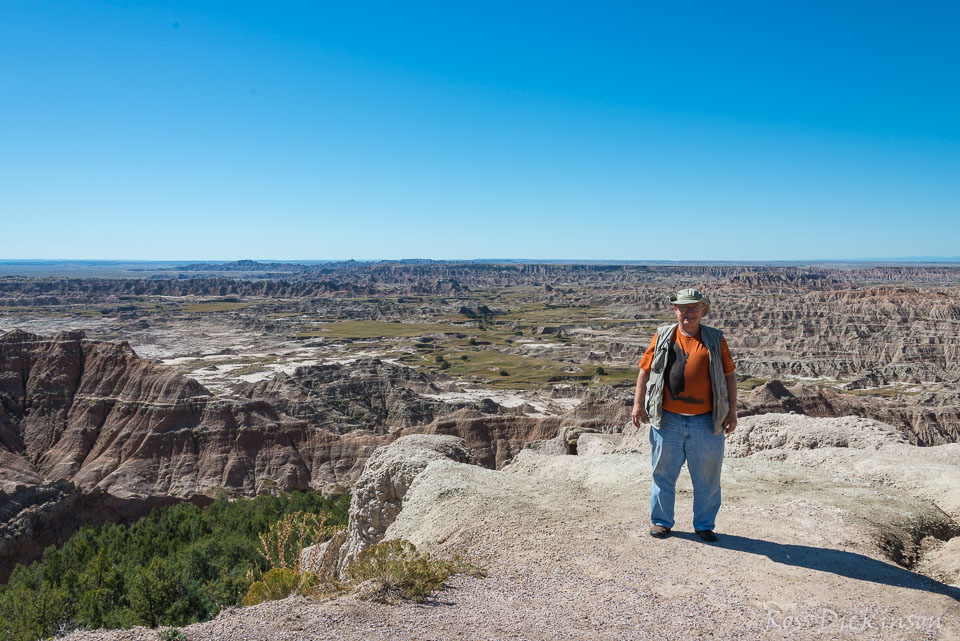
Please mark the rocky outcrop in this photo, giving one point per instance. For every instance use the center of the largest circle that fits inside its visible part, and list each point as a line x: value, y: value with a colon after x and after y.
x: 389, y: 472
x: 494, y: 440
x: 786, y: 432
x: 924, y: 418
x: 368, y: 394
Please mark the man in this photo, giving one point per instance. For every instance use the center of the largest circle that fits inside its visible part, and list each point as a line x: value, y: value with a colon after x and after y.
x: 687, y: 390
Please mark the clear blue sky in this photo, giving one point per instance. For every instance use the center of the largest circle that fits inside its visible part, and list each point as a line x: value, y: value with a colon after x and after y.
x: 634, y: 130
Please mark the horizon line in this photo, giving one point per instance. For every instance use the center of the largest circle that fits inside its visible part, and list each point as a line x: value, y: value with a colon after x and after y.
x: 631, y: 261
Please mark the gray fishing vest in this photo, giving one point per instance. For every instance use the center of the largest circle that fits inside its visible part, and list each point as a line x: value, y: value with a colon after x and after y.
x: 653, y: 401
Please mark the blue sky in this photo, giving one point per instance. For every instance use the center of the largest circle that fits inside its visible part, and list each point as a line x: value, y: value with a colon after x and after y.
x: 311, y: 130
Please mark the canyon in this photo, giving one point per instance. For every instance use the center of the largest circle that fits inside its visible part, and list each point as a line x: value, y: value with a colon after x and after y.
x: 121, y: 394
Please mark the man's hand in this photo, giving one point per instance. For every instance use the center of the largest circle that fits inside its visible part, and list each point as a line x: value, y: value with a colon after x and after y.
x: 730, y: 423
x: 639, y: 415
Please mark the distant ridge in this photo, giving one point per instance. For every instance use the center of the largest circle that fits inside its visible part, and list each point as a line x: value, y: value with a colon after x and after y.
x: 50, y: 268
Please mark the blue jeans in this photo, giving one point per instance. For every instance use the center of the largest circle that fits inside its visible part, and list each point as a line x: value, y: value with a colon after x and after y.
x: 691, y: 439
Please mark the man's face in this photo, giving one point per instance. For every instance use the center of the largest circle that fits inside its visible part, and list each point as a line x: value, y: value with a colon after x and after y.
x: 689, y: 316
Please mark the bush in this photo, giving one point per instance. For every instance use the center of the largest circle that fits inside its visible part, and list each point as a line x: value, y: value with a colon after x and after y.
x: 504, y: 372
x: 171, y: 634
x: 464, y: 358
x: 601, y: 372
x: 393, y: 570
x: 279, y: 583
x: 386, y: 572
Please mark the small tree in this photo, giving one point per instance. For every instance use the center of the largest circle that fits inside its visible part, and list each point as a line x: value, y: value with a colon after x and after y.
x: 153, y: 589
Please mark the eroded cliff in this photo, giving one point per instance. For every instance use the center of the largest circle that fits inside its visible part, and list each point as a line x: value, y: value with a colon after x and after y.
x: 95, y: 424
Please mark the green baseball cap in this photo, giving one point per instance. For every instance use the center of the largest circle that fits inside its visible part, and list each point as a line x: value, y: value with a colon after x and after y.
x: 690, y: 296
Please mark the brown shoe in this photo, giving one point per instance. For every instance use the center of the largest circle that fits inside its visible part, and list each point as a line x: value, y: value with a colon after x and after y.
x: 659, y: 531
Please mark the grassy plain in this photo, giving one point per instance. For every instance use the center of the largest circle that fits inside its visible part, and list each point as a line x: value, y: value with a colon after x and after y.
x: 491, y: 342
x: 215, y: 306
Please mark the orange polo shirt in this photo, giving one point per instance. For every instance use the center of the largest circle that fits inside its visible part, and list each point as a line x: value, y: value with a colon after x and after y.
x: 686, y: 388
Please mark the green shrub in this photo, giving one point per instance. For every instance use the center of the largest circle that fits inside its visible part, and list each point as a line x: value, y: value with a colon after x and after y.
x: 171, y: 634
x: 279, y: 583
x: 464, y: 358
x: 504, y: 372
x: 394, y: 569
x: 601, y: 372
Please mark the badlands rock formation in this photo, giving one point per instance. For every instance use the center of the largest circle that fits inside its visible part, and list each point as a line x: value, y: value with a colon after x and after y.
x: 889, y: 334
x: 925, y: 419
x: 85, y: 422
x: 814, y: 512
x: 386, y: 478
x: 97, y: 415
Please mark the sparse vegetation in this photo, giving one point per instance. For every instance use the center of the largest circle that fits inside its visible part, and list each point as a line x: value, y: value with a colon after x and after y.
x: 171, y: 634
x: 281, y: 546
x: 883, y: 392
x: 749, y: 383
x: 375, y: 329
x: 395, y: 569
x: 215, y: 306
x: 279, y: 583
x: 387, y: 572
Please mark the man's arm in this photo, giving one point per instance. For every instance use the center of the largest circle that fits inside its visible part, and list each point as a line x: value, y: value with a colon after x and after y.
x: 730, y: 423
x: 639, y: 414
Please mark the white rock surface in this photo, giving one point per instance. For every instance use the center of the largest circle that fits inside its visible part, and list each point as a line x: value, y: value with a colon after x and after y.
x: 798, y: 432
x: 590, y: 444
x: 386, y: 477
